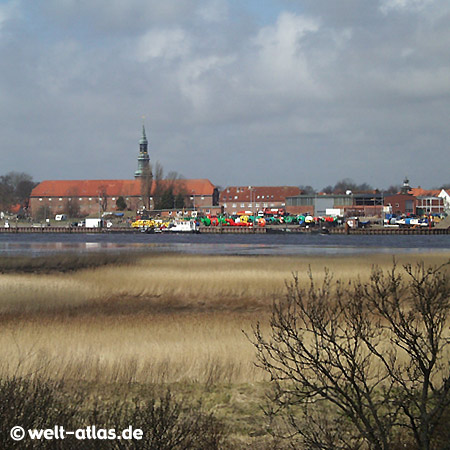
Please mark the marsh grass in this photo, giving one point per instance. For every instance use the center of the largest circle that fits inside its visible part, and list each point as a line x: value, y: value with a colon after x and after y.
x: 122, y: 327
x: 162, y: 318
x: 64, y: 262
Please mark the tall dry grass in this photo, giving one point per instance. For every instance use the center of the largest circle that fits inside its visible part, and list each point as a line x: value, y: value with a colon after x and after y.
x: 169, y: 318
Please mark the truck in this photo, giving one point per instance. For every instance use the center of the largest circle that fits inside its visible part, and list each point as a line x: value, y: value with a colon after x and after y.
x: 93, y: 223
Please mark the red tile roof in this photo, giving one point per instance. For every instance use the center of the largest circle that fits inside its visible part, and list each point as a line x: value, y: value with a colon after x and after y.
x: 419, y: 192
x: 15, y: 208
x: 113, y: 188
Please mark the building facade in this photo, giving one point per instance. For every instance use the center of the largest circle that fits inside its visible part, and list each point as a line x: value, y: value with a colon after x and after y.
x: 429, y: 201
x: 93, y: 197
x: 361, y: 205
x: 401, y: 203
x: 234, y: 199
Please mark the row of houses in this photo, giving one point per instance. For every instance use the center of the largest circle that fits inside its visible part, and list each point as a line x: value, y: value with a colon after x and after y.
x: 92, y: 197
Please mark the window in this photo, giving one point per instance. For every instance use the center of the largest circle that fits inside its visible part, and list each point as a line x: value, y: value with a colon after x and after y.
x: 257, y: 205
x: 235, y: 197
x: 249, y: 205
x: 114, y: 198
x: 49, y: 199
x: 265, y: 205
x: 224, y: 205
x: 242, y: 205
x: 80, y: 198
x: 258, y: 196
x: 234, y: 205
x: 90, y: 199
x: 397, y: 205
x: 262, y: 196
x: 203, y: 197
x: 40, y: 199
x: 60, y: 199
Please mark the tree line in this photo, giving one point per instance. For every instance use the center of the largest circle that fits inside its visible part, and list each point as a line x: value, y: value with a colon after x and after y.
x: 159, y: 192
x: 15, y: 189
x: 347, y: 184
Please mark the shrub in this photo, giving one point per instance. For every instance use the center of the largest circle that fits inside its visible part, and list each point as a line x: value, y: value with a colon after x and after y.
x: 363, y: 365
x: 166, y: 423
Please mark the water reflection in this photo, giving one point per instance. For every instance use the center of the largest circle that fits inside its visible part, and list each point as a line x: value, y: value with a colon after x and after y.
x: 26, y: 246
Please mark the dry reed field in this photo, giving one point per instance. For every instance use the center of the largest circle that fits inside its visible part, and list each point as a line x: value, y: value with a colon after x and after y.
x: 159, y: 318
x: 128, y: 328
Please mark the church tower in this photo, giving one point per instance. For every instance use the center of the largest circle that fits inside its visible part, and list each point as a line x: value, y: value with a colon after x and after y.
x: 406, y: 187
x: 143, y: 158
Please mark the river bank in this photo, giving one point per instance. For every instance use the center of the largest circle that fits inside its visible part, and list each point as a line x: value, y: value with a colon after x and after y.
x: 238, y: 230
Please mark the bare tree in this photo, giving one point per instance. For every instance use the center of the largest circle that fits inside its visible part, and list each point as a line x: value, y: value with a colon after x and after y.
x: 176, y: 187
x: 362, y: 364
x: 146, y: 186
x: 15, y: 187
x: 103, y: 197
x: 72, y: 207
x: 393, y: 189
x: 307, y: 189
x: 72, y: 203
x: 347, y: 184
x: 158, y: 188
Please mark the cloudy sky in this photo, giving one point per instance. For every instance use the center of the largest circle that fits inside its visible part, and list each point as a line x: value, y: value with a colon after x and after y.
x: 238, y: 91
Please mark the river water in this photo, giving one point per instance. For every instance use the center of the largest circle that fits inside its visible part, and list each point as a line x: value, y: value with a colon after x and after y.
x: 232, y: 244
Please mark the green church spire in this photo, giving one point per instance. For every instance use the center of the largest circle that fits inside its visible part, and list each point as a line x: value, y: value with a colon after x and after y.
x: 144, y: 137
x: 143, y: 157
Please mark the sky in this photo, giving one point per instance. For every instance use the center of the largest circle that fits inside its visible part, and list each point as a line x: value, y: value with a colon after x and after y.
x: 257, y: 92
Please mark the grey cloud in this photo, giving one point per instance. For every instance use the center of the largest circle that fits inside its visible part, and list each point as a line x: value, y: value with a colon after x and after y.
x: 115, y: 16
x: 324, y: 91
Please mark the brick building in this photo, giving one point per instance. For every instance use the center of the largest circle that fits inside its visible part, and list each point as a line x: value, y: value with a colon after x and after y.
x: 401, y: 203
x: 255, y: 198
x: 92, y: 197
x: 431, y: 201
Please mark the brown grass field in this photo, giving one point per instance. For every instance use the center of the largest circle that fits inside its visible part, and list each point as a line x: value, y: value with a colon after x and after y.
x: 172, y: 320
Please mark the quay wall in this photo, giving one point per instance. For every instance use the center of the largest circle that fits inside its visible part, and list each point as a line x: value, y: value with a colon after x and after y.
x: 239, y: 230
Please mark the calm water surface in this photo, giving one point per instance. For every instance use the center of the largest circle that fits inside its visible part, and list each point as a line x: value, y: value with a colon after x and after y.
x: 258, y: 244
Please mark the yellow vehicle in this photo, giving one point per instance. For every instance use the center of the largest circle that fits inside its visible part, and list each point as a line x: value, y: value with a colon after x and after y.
x: 143, y: 223
x: 150, y: 224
